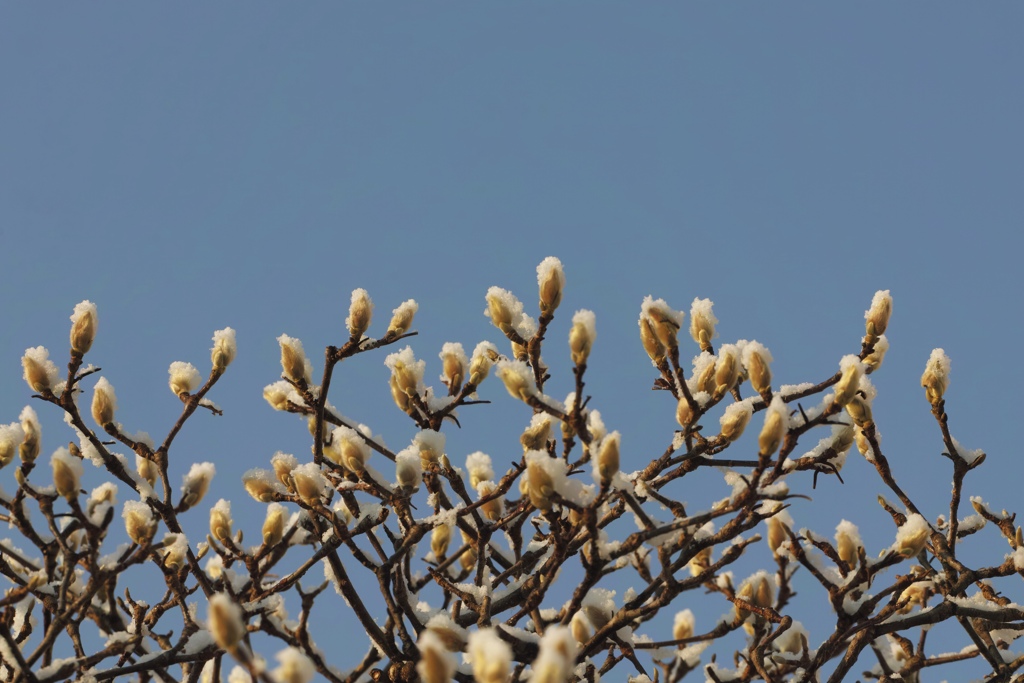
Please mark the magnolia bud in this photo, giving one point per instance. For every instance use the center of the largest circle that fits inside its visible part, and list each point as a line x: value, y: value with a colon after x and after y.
x: 296, y: 667
x: 226, y: 624
x: 936, y: 376
x: 104, y: 402
x: 138, y: 522
x: 431, y: 447
x: 32, y: 435
x: 436, y: 664
x: 551, y: 280
x: 147, y: 469
x: 294, y: 363
x: 699, y: 562
x: 83, y: 327
x: 502, y: 309
x: 67, y: 472
x: 175, y: 550
x: 440, y: 537
x: 220, y: 520
x: 453, y: 365
x: 756, y: 360
x: 540, y: 483
x: 406, y: 371
x: 664, y: 321
x: 581, y: 628
x: 607, y: 463
x: 682, y: 627
x: 360, y: 312
x: 706, y: 377
x: 480, y: 468
x: 684, y: 413
x: 260, y: 485
x: 860, y: 410
x: 877, y: 317
x: 912, y: 536
x: 309, y: 483
x: 10, y: 437
x: 849, y: 381
x: 582, y: 335
x: 535, y: 437
x: 468, y: 558
x: 517, y: 378
x: 351, y: 447
x: 727, y: 370
x: 702, y: 323
x: 493, y: 508
x: 196, y: 483
x: 734, y: 420
x: 874, y: 359
x: 408, y: 469
x: 184, y: 378
x: 489, y: 656
x: 776, y: 424
x: 224, y: 349
x: 40, y: 372
x: 401, y: 320
x: 273, y: 524
x: 480, y: 364
x: 649, y: 339
x: 276, y: 394
x: 777, y: 534
x: 284, y: 464
x: 848, y: 543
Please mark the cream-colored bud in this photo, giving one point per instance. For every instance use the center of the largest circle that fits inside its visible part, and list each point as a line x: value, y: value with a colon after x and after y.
x: 936, y: 376
x: 877, y: 317
x: 400, y: 398
x: 351, y: 447
x: 40, y: 372
x: 706, y: 378
x: 309, y: 483
x: 581, y: 628
x: 139, y: 522
x: 296, y: 667
x: 431, y: 447
x: 727, y: 370
x: 684, y: 413
x: 849, y: 381
x: 224, y: 349
x: 535, y: 437
x: 401, y: 319
x: 225, y: 622
x: 776, y: 424
x: 499, y: 308
x: 174, y: 551
x: 479, y: 367
x: 451, y: 634
x: 607, y: 464
x: 10, y: 437
x: 360, y: 312
x: 440, y: 538
x: 735, y: 420
x: 468, y: 558
x: 197, y: 482
x: 540, y: 485
x: 293, y: 359
x: 405, y: 380
x: 863, y: 445
x: 260, y: 485
x: 453, y: 365
x: 551, y: 281
x: 284, y: 464
x: 912, y: 536
x: 183, y: 378
x: 436, y: 665
x: 32, y: 435
x: 517, y: 379
x: 682, y: 627
x: 83, y: 327
x: 104, y: 402
x: 67, y: 473
x: 699, y: 562
x: 757, y: 362
x: 220, y: 520
x: 860, y: 410
x: 489, y: 656
x: 702, y: 323
x: 873, y: 360
x: 408, y: 469
x: 654, y: 348
x: 276, y: 395
x: 480, y: 468
x: 493, y: 508
x: 777, y: 534
x: 848, y: 543
x: 665, y: 322
x: 582, y: 336
x: 273, y: 524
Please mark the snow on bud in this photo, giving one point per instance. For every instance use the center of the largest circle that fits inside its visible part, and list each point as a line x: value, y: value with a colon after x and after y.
x: 67, y: 473
x: 776, y: 424
x: 792, y: 639
x: 699, y: 562
x: 912, y: 536
x: 32, y: 435
x: 224, y: 349
x: 877, y: 317
x: 310, y: 484
x: 451, y: 634
x: 294, y: 363
x: 437, y: 664
x: 702, y: 323
x: 260, y: 484
x: 10, y: 438
x: 360, y: 312
x: 174, y: 551
x: 480, y: 469
x: 607, y: 463
x: 859, y: 409
x: 551, y: 281
x: 665, y: 321
x: 758, y: 591
x: 779, y: 525
x: 225, y: 621
x: 863, y: 445
x: 874, y: 359
x: 535, y: 437
x: 936, y: 376
x: 503, y: 308
x: 351, y: 448
x: 430, y: 445
x: 727, y: 370
x: 557, y: 657
x: 401, y: 319
x: 517, y: 378
x: 489, y: 656
x: 582, y: 335
x: 83, y: 327
x: 493, y: 508
x: 849, y: 381
x: 277, y: 394
x: 295, y: 667
x: 138, y: 521
x: 544, y: 476
x: 654, y: 348
x: 480, y: 364
x: 453, y: 365
x: 41, y: 374
x: 104, y: 402
x: 848, y: 542
x: 196, y: 483
x: 284, y: 464
x: 756, y: 360
x: 220, y: 520
x: 735, y: 420
x: 409, y: 469
x: 599, y: 606
x: 273, y: 524
x: 682, y: 627
x: 440, y: 538
x: 406, y: 371
x: 581, y: 628
x: 684, y: 413
x: 184, y: 378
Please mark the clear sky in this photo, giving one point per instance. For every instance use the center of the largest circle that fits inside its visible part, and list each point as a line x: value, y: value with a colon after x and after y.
x: 189, y: 167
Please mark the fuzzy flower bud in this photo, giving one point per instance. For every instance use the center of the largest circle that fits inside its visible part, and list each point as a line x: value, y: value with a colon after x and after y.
x: 684, y: 413
x: 310, y: 484
x: 184, y: 378
x: 551, y: 280
x: 351, y: 448
x: 138, y: 521
x: 406, y: 371
x: 582, y: 336
x: 503, y: 308
x: 543, y: 476
x: 654, y: 348
x: 294, y: 363
x: 877, y: 317
x: 32, y: 435
x: 284, y: 464
x: 10, y: 437
x: 41, y: 374
x: 776, y: 424
x: 401, y: 320
x: 859, y: 409
x: 196, y: 483
x: 702, y: 323
x: 607, y: 463
x: 735, y: 420
x: 756, y: 360
x: 453, y: 364
x: 535, y: 437
x: 360, y: 312
x: 912, y: 536
x: 296, y: 667
x: 849, y: 382
x: 936, y: 376
x: 440, y: 538
x: 517, y: 378
x: 273, y: 524
x: 104, y: 402
x: 480, y: 364
x: 225, y: 621
x: 848, y: 543
x: 493, y: 508
x: 581, y: 628
x: 220, y: 520
x: 67, y: 473
x: 664, y: 320
x: 480, y: 469
x: 682, y: 627
x: 727, y: 370
x: 437, y: 664
x: 83, y: 327
x: 146, y: 469
x: 260, y: 485
x: 408, y: 469
x: 873, y: 361
x: 224, y: 349
x: 489, y: 656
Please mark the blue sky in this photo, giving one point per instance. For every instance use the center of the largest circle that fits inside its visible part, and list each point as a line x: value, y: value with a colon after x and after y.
x: 192, y: 167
